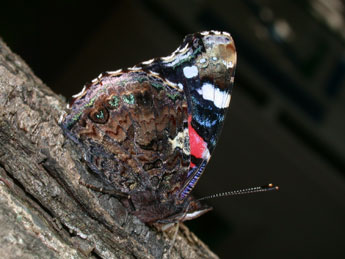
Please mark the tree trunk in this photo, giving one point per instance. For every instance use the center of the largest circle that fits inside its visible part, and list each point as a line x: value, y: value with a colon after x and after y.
x: 44, y: 211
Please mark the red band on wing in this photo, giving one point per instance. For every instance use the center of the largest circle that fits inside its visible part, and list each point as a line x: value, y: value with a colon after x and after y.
x: 197, y: 144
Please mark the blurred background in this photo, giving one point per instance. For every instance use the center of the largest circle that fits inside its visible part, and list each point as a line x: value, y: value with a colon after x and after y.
x: 286, y: 122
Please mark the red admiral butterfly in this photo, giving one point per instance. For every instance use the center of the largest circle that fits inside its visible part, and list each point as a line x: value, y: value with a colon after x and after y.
x: 149, y: 131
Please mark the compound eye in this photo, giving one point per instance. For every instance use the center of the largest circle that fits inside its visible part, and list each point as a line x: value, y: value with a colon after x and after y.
x: 100, y: 115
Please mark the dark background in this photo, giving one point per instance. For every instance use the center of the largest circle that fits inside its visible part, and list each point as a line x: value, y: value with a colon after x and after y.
x: 286, y: 123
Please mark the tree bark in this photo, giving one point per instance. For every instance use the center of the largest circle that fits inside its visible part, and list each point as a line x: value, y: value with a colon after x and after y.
x: 44, y: 211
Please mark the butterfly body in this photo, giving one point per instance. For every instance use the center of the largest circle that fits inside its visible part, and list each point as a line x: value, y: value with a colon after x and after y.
x: 149, y: 131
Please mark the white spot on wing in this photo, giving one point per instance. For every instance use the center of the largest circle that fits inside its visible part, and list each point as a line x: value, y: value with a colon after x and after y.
x: 204, y: 33
x: 227, y: 101
x: 148, y: 61
x: 114, y: 72
x: 184, y: 48
x: 190, y: 72
x: 172, y: 84
x: 228, y: 64
x: 80, y: 93
x: 173, y: 59
x: 168, y: 58
x: 211, y: 93
x: 180, y: 86
x: 154, y: 73
x: 134, y: 68
x: 216, y: 32
x: 180, y: 142
x: 177, y: 50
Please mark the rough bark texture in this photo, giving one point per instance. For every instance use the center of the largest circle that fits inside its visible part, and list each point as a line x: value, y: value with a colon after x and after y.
x: 44, y: 211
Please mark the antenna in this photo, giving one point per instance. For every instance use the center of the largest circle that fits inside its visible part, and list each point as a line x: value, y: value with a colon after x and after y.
x: 266, y: 188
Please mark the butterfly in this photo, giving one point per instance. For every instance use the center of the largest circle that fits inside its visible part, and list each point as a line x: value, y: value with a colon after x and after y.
x: 149, y: 131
